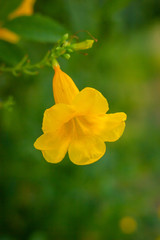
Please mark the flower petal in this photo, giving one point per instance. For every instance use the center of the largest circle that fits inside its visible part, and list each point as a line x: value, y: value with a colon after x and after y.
x: 112, y: 126
x: 53, y: 146
x: 56, y: 116
x: 64, y: 89
x: 55, y: 155
x: 90, y: 101
x: 45, y: 141
x: 86, y: 150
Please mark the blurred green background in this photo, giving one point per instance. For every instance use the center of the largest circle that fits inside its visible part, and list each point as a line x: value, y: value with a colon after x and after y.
x: 43, y: 201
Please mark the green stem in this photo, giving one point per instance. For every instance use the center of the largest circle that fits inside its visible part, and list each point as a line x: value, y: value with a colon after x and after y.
x: 63, y: 48
x: 24, y: 66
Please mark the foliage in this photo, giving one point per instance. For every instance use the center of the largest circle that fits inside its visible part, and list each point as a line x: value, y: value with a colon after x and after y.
x: 36, y: 28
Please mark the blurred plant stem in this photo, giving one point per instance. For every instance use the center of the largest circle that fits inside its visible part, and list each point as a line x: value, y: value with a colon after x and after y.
x: 63, y: 48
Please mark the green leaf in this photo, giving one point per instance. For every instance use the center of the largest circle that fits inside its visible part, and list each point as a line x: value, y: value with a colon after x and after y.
x: 116, y: 5
x: 8, y: 6
x: 36, y: 28
x: 10, y: 53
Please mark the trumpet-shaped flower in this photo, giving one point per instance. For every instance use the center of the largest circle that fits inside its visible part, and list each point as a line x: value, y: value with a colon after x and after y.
x: 77, y: 123
x: 25, y: 9
x: 8, y: 36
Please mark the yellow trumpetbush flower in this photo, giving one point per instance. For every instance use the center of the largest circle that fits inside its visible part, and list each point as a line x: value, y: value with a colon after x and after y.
x: 25, y: 9
x: 77, y: 123
x: 8, y: 36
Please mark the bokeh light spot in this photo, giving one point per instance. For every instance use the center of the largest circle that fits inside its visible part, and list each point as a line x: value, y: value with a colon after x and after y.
x: 128, y: 225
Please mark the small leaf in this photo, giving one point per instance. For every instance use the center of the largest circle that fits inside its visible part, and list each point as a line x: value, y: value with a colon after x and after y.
x: 10, y: 53
x: 8, y: 6
x: 37, y: 28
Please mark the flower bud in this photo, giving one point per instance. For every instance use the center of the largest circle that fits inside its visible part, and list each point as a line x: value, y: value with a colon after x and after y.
x: 65, y: 37
x: 82, y: 45
x: 66, y: 56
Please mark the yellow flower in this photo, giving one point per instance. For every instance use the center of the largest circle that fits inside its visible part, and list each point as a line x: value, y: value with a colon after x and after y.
x: 8, y: 36
x: 77, y: 123
x: 25, y: 9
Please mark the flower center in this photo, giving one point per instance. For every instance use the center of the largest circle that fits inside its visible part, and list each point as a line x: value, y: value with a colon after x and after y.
x: 81, y: 126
